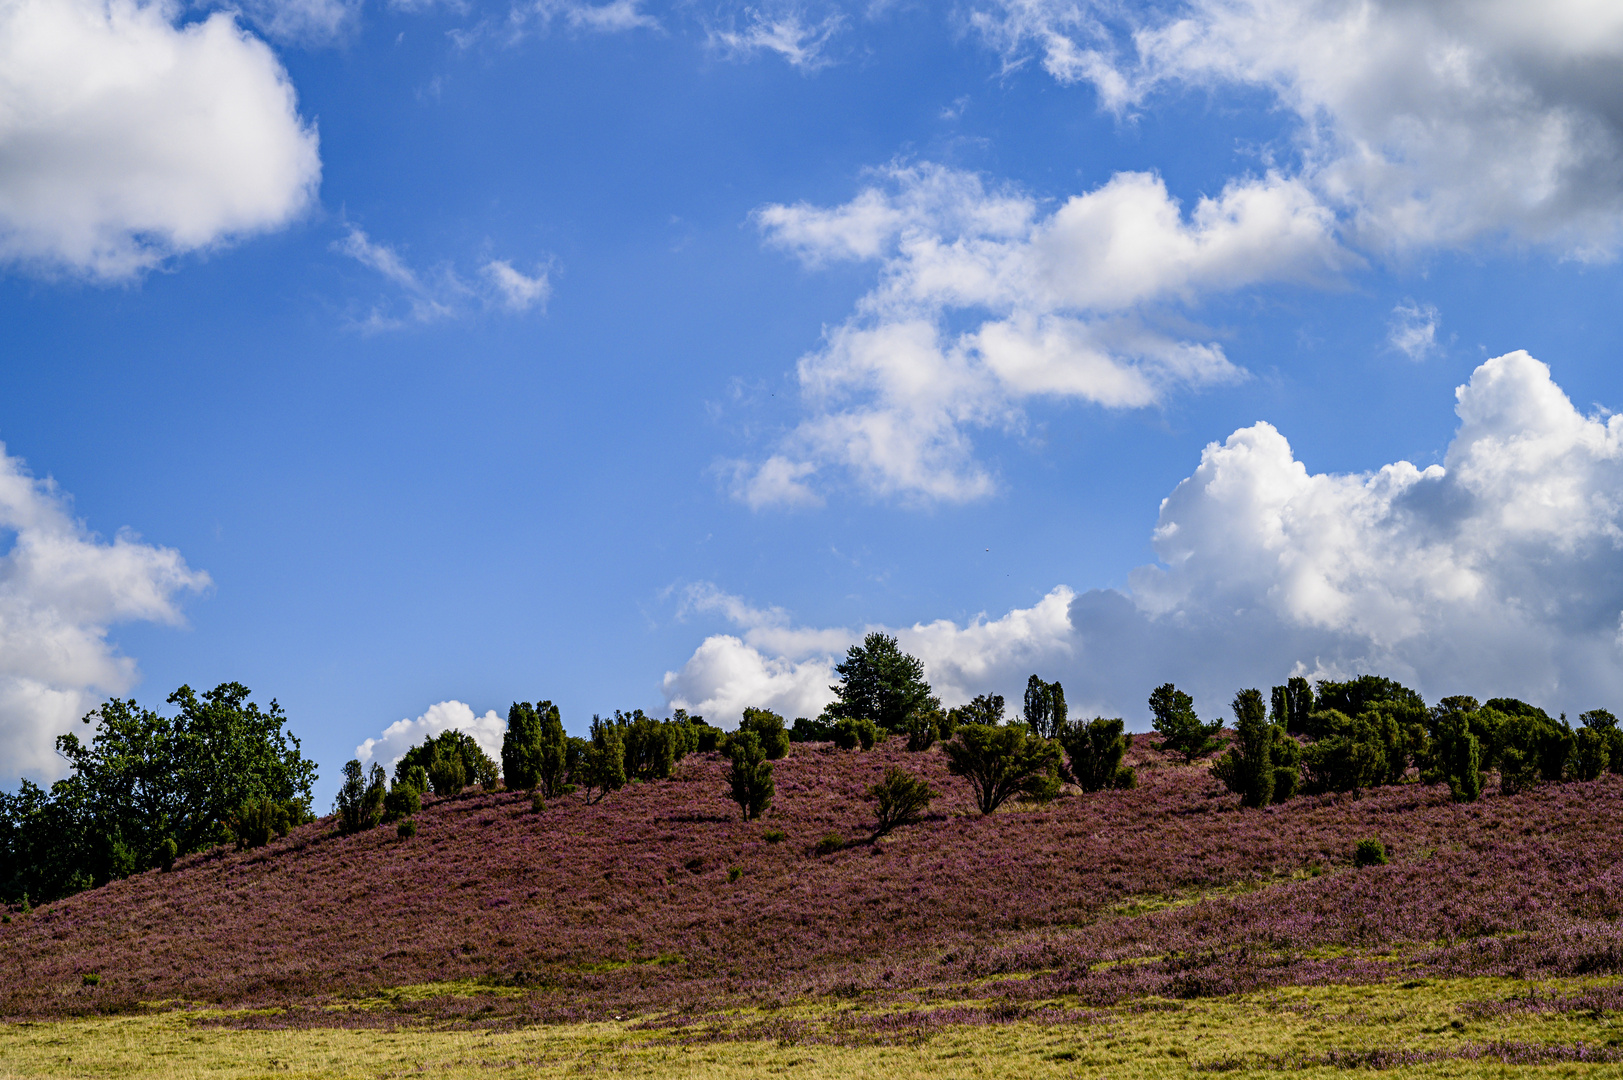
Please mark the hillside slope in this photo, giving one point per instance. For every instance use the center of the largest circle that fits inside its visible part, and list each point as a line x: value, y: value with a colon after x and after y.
x: 659, y: 899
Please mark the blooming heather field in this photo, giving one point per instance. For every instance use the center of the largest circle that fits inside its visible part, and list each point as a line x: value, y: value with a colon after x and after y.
x: 658, y: 908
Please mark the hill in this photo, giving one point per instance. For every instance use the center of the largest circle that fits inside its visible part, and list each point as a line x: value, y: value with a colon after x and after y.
x: 659, y: 903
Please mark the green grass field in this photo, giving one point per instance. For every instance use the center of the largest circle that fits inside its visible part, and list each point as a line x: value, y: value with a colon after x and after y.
x: 1321, y: 1030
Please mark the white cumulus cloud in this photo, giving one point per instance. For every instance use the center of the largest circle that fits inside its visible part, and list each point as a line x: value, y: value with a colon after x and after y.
x: 1498, y: 572
x: 1061, y: 304
x: 62, y: 588
x: 403, y: 734
x: 126, y: 139
x: 789, y: 669
x: 1422, y: 123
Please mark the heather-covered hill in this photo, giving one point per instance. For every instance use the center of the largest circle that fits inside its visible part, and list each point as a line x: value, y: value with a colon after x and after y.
x: 660, y: 900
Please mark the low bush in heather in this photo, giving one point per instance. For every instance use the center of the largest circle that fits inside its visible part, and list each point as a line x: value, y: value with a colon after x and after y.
x: 899, y: 799
x: 1370, y: 852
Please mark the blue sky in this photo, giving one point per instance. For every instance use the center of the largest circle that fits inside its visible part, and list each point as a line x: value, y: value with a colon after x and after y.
x: 401, y: 361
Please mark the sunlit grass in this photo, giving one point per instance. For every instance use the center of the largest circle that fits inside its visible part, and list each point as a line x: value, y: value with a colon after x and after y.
x: 1236, y: 1036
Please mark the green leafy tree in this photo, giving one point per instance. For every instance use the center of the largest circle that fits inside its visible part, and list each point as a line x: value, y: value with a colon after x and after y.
x: 524, y: 746
x: 1456, y: 751
x: 850, y: 733
x: 768, y: 727
x: 1000, y: 762
x: 1591, y: 754
x: 600, y: 762
x: 1291, y: 705
x: 461, y: 762
x: 1181, y: 731
x: 1605, y: 726
x: 1045, y: 711
x: 1531, y: 746
x: 1247, y: 767
x: 982, y: 709
x: 749, y: 779
x: 360, y: 801
x: 1095, y: 749
x: 924, y: 728
x: 147, y: 788
x: 1348, y: 754
x: 650, y: 746
x: 805, y: 730
x: 900, y: 799
x: 880, y: 682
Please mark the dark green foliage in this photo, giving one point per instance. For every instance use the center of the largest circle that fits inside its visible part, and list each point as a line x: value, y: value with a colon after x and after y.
x: 1351, y: 698
x: 1292, y: 704
x: 1000, y: 762
x: 147, y: 789
x: 768, y: 727
x: 461, y: 762
x: 1370, y: 852
x: 1125, y: 779
x: 1044, y: 787
x: 535, y: 749
x: 749, y: 780
x: 1095, y: 749
x: 405, y: 798
x: 900, y: 799
x: 984, y: 709
x: 1591, y: 754
x: 850, y: 733
x: 1045, y: 712
x: 1532, y: 747
x: 924, y: 728
x: 1605, y: 725
x: 881, y: 683
x: 773, y: 836
x: 360, y: 798
x: 829, y: 844
x: 650, y: 746
x: 1287, y: 758
x: 1247, y: 768
x: 538, y: 804
x: 1181, y: 731
x: 818, y: 730
x: 91, y: 979
x: 259, y: 819
x: 447, y: 774
x: 599, y: 763
x: 406, y: 829
x: 1347, y: 756
x: 1456, y: 751
x: 521, y: 748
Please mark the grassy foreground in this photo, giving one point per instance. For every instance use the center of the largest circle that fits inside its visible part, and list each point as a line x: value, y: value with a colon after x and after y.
x: 1453, y: 1028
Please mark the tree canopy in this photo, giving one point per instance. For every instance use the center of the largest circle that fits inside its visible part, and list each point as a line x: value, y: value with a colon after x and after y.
x: 147, y: 787
x: 880, y: 682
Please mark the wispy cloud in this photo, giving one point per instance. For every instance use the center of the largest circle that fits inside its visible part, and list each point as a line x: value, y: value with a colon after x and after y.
x: 428, y: 297
x: 1412, y: 329
x: 788, y: 33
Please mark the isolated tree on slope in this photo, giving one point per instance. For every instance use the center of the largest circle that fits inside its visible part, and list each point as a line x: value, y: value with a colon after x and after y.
x: 880, y: 682
x: 1045, y: 710
x: 1180, y: 729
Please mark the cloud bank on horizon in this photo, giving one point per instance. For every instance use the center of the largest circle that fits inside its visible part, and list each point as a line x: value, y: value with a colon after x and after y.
x: 1499, y: 571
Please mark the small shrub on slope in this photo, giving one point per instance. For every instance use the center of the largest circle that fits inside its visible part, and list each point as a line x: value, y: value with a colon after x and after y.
x: 1370, y: 852
x: 900, y: 799
x: 1000, y: 762
x: 1095, y: 749
x: 1181, y: 731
